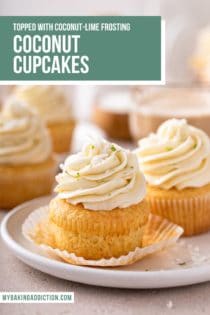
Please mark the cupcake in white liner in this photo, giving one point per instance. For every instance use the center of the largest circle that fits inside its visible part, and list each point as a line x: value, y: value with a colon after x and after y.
x: 176, y: 163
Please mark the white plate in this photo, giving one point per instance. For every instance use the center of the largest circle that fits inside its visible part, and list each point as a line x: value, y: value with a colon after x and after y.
x: 183, y: 264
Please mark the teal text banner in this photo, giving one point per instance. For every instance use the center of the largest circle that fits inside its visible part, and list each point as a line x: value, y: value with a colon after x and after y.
x: 80, y: 48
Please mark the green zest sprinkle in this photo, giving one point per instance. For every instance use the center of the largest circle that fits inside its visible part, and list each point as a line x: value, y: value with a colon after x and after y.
x: 169, y: 148
x: 113, y: 148
x: 195, y: 145
x: 91, y: 147
x: 78, y: 175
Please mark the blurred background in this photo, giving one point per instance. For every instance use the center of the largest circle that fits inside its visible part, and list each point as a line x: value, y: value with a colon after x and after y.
x: 128, y: 113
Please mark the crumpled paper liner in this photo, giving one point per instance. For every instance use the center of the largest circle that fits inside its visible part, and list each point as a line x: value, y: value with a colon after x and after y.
x: 159, y: 234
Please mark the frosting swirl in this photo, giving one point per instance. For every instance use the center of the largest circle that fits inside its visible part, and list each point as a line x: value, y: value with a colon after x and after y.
x: 49, y: 101
x: 23, y: 137
x: 103, y: 176
x: 178, y: 155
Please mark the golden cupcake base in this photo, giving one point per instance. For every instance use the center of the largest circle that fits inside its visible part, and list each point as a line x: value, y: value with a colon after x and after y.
x: 96, y: 234
x: 159, y: 234
x: 199, y: 67
x: 61, y: 135
x: 25, y: 182
x: 189, y: 208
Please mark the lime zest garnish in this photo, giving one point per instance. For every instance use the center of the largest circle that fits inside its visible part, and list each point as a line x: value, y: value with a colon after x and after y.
x: 90, y: 147
x: 77, y: 175
x: 113, y: 148
x: 169, y: 148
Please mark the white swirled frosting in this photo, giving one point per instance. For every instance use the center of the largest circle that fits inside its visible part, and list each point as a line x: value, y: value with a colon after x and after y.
x: 103, y: 176
x: 177, y: 155
x: 24, y: 138
x: 49, y: 101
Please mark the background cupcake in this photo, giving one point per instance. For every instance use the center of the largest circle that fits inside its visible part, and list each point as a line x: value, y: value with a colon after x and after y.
x: 200, y: 61
x: 176, y: 163
x: 27, y: 166
x: 51, y: 104
x: 110, y: 111
x: 154, y: 105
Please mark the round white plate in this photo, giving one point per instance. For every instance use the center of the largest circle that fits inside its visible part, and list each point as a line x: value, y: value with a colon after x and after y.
x: 183, y: 264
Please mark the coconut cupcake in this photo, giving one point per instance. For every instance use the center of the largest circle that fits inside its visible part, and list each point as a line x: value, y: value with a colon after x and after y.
x: 176, y: 163
x: 27, y: 165
x: 111, y: 112
x: 100, y: 210
x: 200, y: 61
x: 51, y: 104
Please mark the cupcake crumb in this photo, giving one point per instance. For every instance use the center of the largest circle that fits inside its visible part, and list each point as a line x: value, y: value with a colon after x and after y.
x: 170, y: 304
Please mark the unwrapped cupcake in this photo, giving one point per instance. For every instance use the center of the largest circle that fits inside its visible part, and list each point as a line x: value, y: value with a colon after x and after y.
x: 100, y: 210
x: 27, y: 165
x: 100, y: 216
x: 176, y: 163
x: 52, y: 105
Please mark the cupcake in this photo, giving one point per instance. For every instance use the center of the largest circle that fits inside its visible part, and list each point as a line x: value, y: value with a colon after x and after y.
x: 155, y: 105
x: 27, y: 165
x: 111, y: 113
x: 176, y: 163
x: 100, y: 210
x: 200, y: 62
x: 51, y: 104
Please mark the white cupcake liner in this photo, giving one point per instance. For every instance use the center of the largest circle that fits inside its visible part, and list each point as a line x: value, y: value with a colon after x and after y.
x: 193, y: 214
x: 159, y: 234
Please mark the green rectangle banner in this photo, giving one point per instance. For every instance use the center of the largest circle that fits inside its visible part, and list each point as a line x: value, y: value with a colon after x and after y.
x: 80, y: 48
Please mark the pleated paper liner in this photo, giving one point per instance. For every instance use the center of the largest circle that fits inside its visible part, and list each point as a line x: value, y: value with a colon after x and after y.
x: 193, y: 214
x: 159, y: 234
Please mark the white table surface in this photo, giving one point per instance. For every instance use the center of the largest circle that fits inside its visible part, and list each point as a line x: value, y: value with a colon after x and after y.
x: 16, y: 276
